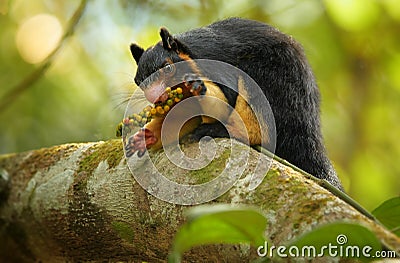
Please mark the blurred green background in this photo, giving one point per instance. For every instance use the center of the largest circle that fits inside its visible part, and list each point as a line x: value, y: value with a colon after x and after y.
x: 353, y: 47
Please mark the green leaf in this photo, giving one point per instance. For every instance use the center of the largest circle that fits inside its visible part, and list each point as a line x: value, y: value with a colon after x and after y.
x: 344, y: 240
x: 212, y: 224
x: 388, y: 214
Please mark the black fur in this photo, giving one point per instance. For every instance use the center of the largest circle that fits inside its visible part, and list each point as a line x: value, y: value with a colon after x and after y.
x: 168, y: 41
x: 136, y: 52
x: 277, y: 63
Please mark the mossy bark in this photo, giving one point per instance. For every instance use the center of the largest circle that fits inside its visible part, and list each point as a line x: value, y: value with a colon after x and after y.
x: 80, y: 202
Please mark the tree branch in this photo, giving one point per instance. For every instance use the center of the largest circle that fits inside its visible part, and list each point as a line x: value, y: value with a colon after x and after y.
x: 80, y: 202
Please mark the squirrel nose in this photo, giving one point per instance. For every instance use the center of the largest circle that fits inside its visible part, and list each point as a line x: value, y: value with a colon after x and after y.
x: 154, y: 93
x: 162, y: 98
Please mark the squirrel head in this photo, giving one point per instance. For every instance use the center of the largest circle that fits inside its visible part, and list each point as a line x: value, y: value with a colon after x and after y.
x: 168, y: 43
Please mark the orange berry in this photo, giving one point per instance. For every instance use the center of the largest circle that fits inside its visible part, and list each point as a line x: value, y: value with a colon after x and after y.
x: 160, y: 110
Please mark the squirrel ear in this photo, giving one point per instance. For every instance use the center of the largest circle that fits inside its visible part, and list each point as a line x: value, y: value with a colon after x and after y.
x: 168, y: 40
x: 136, y: 52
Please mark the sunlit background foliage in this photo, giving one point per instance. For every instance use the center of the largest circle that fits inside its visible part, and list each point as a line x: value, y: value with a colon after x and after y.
x: 353, y: 47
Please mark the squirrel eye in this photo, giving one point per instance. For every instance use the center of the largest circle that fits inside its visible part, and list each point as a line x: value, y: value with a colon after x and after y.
x: 169, y: 68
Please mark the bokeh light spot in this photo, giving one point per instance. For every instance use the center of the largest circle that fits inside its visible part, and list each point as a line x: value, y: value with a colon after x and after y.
x: 37, y: 37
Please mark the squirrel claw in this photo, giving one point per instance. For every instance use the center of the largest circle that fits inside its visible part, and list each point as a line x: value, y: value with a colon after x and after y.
x: 140, y: 142
x: 195, y: 84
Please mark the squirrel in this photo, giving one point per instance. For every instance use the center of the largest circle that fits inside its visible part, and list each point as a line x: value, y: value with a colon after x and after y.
x: 274, y: 60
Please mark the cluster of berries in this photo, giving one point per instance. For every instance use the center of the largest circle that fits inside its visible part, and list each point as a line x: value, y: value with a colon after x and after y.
x: 160, y: 109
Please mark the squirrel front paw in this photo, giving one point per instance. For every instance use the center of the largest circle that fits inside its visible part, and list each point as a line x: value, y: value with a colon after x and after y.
x: 195, y: 84
x: 139, y: 142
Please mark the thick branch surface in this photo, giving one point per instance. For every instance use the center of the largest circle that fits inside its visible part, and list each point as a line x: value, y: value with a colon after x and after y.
x: 80, y: 202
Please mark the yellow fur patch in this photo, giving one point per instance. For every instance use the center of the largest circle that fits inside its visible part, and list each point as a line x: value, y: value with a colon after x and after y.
x: 217, y: 108
x: 183, y: 56
x: 249, y: 119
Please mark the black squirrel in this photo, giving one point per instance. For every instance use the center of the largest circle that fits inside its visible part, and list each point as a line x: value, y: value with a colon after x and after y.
x: 274, y: 60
